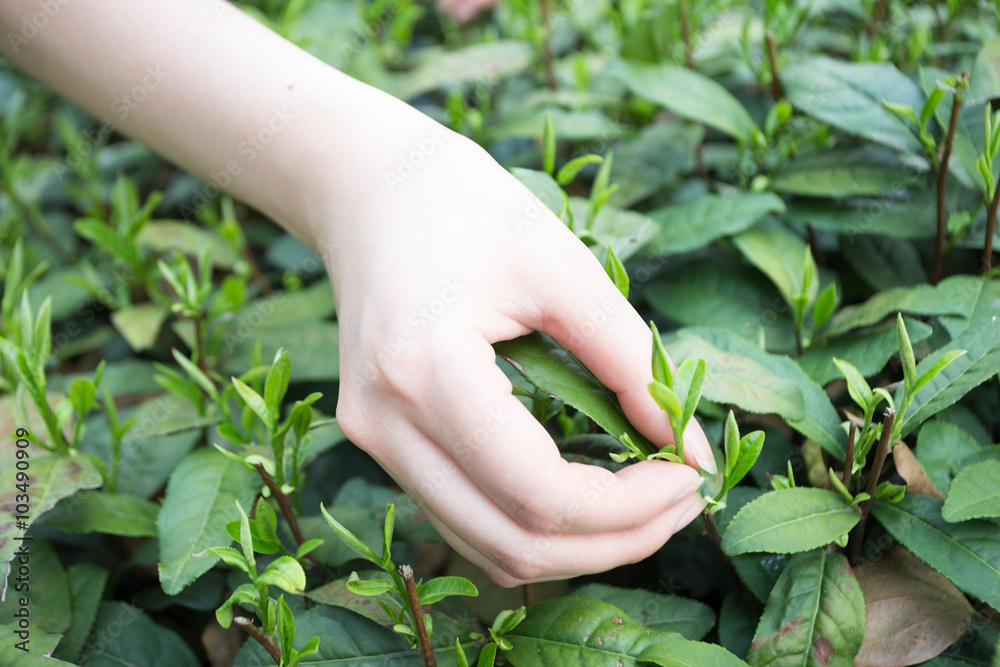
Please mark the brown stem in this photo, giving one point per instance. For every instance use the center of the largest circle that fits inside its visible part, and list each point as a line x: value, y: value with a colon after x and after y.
x: 262, y: 639
x: 529, y: 594
x: 849, y: 459
x: 942, y: 187
x: 283, y: 502
x: 547, y: 55
x: 878, y: 13
x: 858, y: 534
x: 426, y: 652
x: 713, y: 534
x: 777, y: 90
x: 686, y: 35
x: 991, y: 225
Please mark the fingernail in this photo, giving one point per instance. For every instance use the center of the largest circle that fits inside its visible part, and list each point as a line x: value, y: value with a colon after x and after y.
x: 705, y: 459
x: 691, y: 514
x: 688, y: 488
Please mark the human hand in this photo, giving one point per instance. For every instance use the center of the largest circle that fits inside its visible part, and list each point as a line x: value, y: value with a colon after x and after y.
x: 465, y: 10
x: 433, y: 267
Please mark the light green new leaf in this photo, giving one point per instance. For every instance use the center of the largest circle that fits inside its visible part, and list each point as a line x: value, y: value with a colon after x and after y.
x: 548, y: 366
x: 687, y: 653
x: 439, y: 588
x: 549, y: 146
x: 201, y: 497
x: 688, y: 94
x: 936, y: 368
x: 666, y: 399
x: 348, y: 538
x: 256, y: 403
x: 276, y: 382
x: 579, y: 631
x: 369, y: 587
x: 750, y: 447
x: 968, y: 553
x: 814, y: 616
x: 568, y: 172
x: 616, y: 271
x: 696, y: 223
x: 789, y: 521
x: 826, y: 303
x: 906, y: 355
x: 965, y: 372
x: 974, y: 493
x: 857, y: 386
x: 284, y: 572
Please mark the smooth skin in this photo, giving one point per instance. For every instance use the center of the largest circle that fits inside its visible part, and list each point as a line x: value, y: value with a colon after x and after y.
x: 429, y: 265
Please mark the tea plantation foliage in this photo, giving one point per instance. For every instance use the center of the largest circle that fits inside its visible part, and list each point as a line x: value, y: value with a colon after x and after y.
x: 801, y: 195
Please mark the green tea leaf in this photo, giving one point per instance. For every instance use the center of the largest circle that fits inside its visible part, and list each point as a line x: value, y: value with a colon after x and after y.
x: 369, y: 587
x: 778, y: 253
x: 45, y: 586
x: 849, y: 97
x: 826, y: 303
x: 789, y: 521
x: 814, y: 616
x: 140, y: 324
x: 439, y: 588
x: 102, y: 512
x: 616, y: 271
x: 942, y: 447
x: 655, y: 611
x: 86, y: 586
x: 857, y: 386
x: 549, y: 146
x: 546, y: 365
x: 696, y: 223
x: 201, y: 497
x: 687, y: 94
x: 568, y: 172
x: 256, y: 403
x: 144, y: 643
x: 687, y: 653
x: 750, y: 447
x: 284, y: 572
x: 974, y: 493
x: 906, y: 355
x: 348, y: 538
x: 276, y: 382
x: 578, y: 631
x: 967, y: 553
x: 666, y: 399
x: 840, y: 173
x: 868, y: 351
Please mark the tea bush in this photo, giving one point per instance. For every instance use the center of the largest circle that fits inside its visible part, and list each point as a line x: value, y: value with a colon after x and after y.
x: 802, y: 196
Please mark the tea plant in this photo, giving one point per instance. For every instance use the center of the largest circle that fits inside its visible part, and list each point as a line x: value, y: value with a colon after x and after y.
x: 801, y: 198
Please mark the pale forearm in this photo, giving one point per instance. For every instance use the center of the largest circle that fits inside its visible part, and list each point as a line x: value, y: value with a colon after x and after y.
x: 220, y: 95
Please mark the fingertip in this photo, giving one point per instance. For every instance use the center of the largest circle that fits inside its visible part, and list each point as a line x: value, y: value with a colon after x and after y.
x: 696, y: 443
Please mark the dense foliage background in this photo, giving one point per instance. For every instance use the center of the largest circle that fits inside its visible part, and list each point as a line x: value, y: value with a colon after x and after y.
x: 778, y: 180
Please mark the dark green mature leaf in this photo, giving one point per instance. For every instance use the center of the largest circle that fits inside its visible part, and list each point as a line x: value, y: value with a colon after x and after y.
x: 728, y: 355
x: 982, y: 344
x: 910, y: 216
x: 102, y: 512
x: 52, y: 478
x: 868, y: 351
x: 849, y: 96
x: 687, y: 94
x: 814, y: 616
x: 941, y: 449
x: 985, y: 303
x: 655, y: 611
x: 687, y: 653
x: 86, y: 584
x: 48, y: 594
x: 952, y: 296
x: 778, y: 253
x: 578, y: 631
x: 727, y: 295
x: 885, y: 262
x: 652, y: 159
x: 968, y: 553
x: 201, y: 498
x: 974, y: 493
x: 912, y: 612
x: 702, y: 220
x: 789, y: 521
x: 847, y: 172
x: 548, y: 366
x: 124, y: 635
x: 349, y: 639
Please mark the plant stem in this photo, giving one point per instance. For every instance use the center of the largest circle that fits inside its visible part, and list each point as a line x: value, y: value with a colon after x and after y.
x: 262, y: 639
x: 777, y: 90
x: 426, y: 652
x: 858, y: 534
x: 283, y: 502
x: 529, y: 595
x: 942, y: 187
x: 878, y: 13
x: 991, y: 225
x: 686, y: 34
x: 713, y: 534
x: 849, y: 459
x: 547, y: 56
